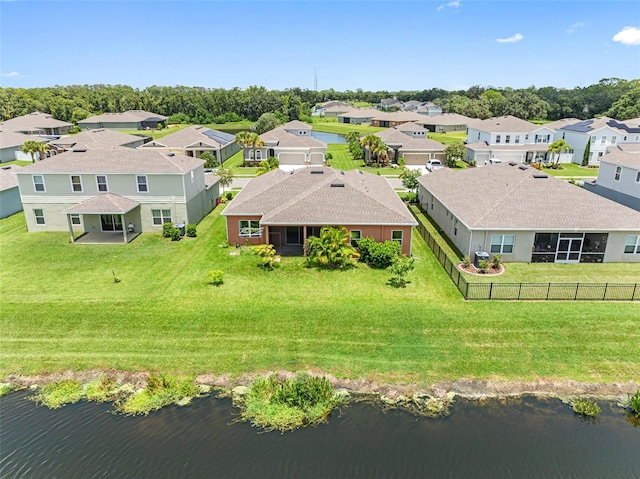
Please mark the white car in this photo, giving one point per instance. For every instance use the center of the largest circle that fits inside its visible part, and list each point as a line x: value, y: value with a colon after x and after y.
x: 433, y: 165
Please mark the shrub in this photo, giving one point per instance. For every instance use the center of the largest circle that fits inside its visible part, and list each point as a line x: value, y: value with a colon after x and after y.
x: 586, y: 407
x: 634, y: 403
x: 267, y: 254
x: 328, y: 156
x: 216, y: 277
x: 379, y: 255
x: 58, y: 394
x: 472, y: 162
x: 496, y: 261
x: 401, y: 161
x: 332, y: 249
x: 176, y: 235
x: 101, y: 389
x: 162, y: 390
x: 192, y: 231
x: 483, y: 266
x: 466, y: 261
x: 167, y: 229
x: 228, y: 195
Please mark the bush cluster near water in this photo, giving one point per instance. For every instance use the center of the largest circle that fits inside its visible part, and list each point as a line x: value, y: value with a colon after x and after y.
x: 288, y: 404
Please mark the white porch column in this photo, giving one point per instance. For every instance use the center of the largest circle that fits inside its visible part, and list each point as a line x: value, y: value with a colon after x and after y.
x: 124, y: 228
x: 70, y: 228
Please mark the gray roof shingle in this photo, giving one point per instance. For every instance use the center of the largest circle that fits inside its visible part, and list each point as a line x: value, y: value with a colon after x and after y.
x: 104, y: 204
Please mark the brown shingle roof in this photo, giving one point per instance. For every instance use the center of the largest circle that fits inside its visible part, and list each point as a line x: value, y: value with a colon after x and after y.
x: 33, y: 121
x: 130, y: 116
x: 307, y: 196
x: 8, y: 178
x: 12, y: 139
x: 503, y: 197
x: 618, y: 156
x: 296, y: 125
x: 506, y: 123
x: 103, y: 204
x: 445, y: 119
x: 185, y: 137
x: 124, y: 160
x: 393, y: 137
x: 283, y: 138
x: 96, y: 139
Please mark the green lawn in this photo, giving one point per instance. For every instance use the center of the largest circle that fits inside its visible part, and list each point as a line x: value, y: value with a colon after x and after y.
x: 61, y: 310
x: 16, y: 162
x: 235, y: 163
x: 155, y: 134
x: 571, y: 170
x: 330, y: 125
x: 342, y: 161
x: 448, y: 138
x: 231, y: 127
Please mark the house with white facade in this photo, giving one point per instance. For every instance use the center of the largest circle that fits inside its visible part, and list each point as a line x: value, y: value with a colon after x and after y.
x: 619, y: 175
x: 292, y: 144
x: 507, y: 138
x: 410, y: 141
x: 121, y: 192
x: 599, y: 133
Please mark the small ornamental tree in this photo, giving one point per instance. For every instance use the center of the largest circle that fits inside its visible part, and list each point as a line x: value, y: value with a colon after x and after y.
x: 210, y: 161
x: 453, y: 152
x: 410, y: 179
x: 226, y: 176
x: 399, y: 270
x: 267, y: 254
x: 332, y: 249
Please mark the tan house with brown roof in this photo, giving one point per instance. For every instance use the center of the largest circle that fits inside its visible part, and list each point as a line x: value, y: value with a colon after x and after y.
x: 358, y: 116
x: 98, y: 139
x: 389, y: 120
x: 292, y: 144
x: 104, y: 191
x: 286, y: 208
x: 528, y: 217
x: 195, y: 140
x: 445, y: 122
x: 409, y: 141
x: 37, y: 123
x: 127, y: 120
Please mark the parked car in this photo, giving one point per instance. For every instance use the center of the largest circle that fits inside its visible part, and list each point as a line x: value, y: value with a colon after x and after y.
x: 492, y: 161
x: 433, y: 165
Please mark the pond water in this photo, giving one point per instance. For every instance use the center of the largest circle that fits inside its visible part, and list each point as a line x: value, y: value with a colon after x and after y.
x: 525, y: 438
x: 328, y: 137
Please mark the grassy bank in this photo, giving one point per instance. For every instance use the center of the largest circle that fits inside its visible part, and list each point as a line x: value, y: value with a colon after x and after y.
x: 61, y: 310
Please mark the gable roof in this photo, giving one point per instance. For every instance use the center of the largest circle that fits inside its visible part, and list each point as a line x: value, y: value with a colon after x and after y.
x: 190, y: 136
x: 593, y: 124
x: 506, y: 124
x: 282, y: 138
x: 554, y: 125
x: 394, y: 136
x: 130, y: 116
x: 296, y: 125
x: 13, y: 139
x: 321, y: 196
x: 123, y: 160
x: 445, y: 119
x: 629, y: 156
x: 97, y: 139
x: 506, y: 197
x: 8, y: 178
x: 398, y: 116
x: 360, y: 113
x: 33, y: 121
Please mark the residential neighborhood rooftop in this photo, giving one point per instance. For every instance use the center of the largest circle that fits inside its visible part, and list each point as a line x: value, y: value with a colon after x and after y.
x: 395, y: 136
x: 445, y: 119
x: 281, y: 137
x: 625, y: 157
x: 192, y: 135
x: 506, y: 124
x: 130, y: 116
x: 8, y: 177
x: 9, y: 139
x: 33, y: 121
x: 98, y: 139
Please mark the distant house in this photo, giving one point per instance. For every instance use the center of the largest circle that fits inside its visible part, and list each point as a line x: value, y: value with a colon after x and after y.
x: 99, y: 139
x: 286, y: 208
x: 37, y: 123
x: 391, y: 119
x: 11, y: 143
x: 446, y: 122
x: 529, y: 217
x: 619, y: 175
x: 292, y: 144
x: 358, y: 116
x: 600, y: 133
x: 104, y: 191
x: 128, y: 120
x: 196, y: 140
x: 507, y: 138
x: 387, y: 103
x: 429, y: 109
x: 409, y: 141
x: 331, y: 108
x: 9, y: 193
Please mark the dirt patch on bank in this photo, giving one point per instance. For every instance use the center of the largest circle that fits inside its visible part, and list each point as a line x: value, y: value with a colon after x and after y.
x: 463, y: 387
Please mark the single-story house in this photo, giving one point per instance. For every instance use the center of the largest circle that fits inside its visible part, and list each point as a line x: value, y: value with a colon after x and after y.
x: 105, y: 191
x: 409, y: 141
x: 9, y: 193
x: 37, y: 123
x: 358, y: 116
x: 285, y: 208
x: 445, y: 122
x: 292, y: 144
x: 128, y: 120
x: 528, y: 217
x: 391, y: 119
x: 11, y: 143
x: 195, y: 140
x: 98, y: 139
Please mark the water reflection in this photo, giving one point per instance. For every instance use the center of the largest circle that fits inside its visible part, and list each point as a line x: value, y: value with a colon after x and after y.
x: 515, y: 438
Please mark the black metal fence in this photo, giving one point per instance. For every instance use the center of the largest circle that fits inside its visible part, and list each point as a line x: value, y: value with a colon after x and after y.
x: 528, y: 291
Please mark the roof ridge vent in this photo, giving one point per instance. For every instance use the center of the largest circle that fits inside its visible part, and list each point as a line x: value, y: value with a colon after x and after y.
x: 317, y: 172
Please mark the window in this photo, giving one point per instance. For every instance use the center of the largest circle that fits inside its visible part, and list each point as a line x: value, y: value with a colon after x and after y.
x: 603, y: 140
x: 502, y: 243
x: 142, y: 184
x: 593, y: 138
x: 39, y: 215
x: 507, y: 139
x: 192, y: 177
x: 613, y: 140
x: 161, y: 217
x: 38, y: 183
x: 455, y: 228
x: 250, y: 228
x: 618, y: 173
x: 102, y: 183
x: 356, y: 235
x: 526, y: 137
x: 76, y: 183
x: 478, y: 135
x: 517, y: 140
x: 75, y: 219
x: 258, y: 155
x: 497, y: 138
x: 396, y: 235
x: 632, y: 245
x: 638, y: 177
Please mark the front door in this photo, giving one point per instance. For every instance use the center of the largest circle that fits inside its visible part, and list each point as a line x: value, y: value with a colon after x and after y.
x: 569, y: 250
x: 111, y: 222
x: 275, y: 239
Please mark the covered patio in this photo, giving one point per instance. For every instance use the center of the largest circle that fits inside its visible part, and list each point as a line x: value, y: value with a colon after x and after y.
x: 110, y: 212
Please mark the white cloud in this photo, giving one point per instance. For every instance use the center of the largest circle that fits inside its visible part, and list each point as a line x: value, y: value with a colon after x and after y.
x: 515, y: 38
x: 453, y: 3
x: 12, y: 75
x: 575, y: 26
x: 628, y: 36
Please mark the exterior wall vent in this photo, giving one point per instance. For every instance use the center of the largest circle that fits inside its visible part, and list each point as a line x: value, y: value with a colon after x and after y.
x: 171, y: 154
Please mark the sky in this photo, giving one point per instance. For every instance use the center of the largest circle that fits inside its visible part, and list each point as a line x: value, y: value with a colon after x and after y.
x: 372, y: 45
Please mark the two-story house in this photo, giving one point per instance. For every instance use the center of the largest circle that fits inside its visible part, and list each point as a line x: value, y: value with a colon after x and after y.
x: 507, y: 138
x: 119, y: 191
x: 599, y: 133
x: 619, y: 175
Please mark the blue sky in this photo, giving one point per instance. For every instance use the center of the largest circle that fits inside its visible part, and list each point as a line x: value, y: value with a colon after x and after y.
x: 373, y: 45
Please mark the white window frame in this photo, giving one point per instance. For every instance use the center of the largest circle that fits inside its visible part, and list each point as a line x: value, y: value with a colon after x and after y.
x: 355, y: 236
x: 603, y: 140
x: 618, y: 173
x: 593, y: 139
x: 249, y: 229
x: 507, y: 139
x: 517, y: 140
x: 144, y: 183
x: 614, y: 138
x: 502, y: 245
x: 39, y: 217
x: 498, y: 138
x: 73, y: 184
x: 632, y: 241
x: 75, y: 220
x: 99, y: 184
x: 161, y: 215
x: 37, y: 184
x: 399, y: 240
x: 258, y: 155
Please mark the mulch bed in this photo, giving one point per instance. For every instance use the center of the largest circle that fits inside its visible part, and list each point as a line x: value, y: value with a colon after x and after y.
x: 472, y: 270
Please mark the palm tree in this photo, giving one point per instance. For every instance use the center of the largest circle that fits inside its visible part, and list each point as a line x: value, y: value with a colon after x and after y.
x: 32, y: 147
x: 376, y: 147
x: 250, y: 139
x: 352, y: 136
x: 557, y: 148
x: 267, y: 165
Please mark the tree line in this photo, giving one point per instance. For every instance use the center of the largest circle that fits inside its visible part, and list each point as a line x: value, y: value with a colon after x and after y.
x: 613, y: 97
